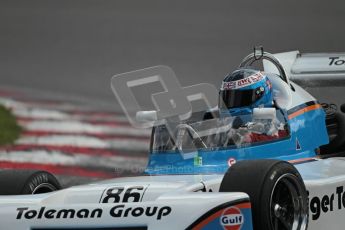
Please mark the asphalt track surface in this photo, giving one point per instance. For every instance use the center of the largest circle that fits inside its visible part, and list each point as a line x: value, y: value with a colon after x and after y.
x: 71, y: 48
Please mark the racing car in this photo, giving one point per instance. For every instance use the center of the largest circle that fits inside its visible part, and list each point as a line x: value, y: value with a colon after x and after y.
x: 214, y: 171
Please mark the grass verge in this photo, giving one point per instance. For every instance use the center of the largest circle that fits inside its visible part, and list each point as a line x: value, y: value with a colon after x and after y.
x: 9, y: 129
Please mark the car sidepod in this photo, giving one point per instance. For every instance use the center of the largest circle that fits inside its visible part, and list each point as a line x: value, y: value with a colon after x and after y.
x: 175, y: 210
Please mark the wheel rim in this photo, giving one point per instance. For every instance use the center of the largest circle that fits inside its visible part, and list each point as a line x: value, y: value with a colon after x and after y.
x: 44, y: 188
x: 287, y: 205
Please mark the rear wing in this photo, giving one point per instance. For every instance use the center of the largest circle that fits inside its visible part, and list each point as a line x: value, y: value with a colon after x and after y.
x: 311, y: 69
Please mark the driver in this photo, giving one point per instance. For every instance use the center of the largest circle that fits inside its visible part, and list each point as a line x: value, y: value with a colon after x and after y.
x: 241, y: 92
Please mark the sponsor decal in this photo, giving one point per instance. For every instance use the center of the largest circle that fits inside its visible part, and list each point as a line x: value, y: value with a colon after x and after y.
x: 336, y: 61
x: 229, y: 85
x: 118, y: 211
x: 256, y: 77
x: 121, y: 211
x: 269, y: 84
x: 243, y: 82
x: 26, y: 213
x: 232, y: 219
x: 327, y: 203
x: 197, y: 161
x: 298, y: 145
x: 231, y: 161
x: 120, y: 194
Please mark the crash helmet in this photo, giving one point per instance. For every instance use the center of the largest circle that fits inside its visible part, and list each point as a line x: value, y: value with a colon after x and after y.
x: 243, y: 90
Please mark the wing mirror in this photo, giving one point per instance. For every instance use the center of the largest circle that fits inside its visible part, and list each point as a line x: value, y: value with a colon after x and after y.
x: 264, y: 114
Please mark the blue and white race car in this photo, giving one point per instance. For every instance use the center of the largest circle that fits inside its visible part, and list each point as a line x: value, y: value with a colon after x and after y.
x: 276, y: 167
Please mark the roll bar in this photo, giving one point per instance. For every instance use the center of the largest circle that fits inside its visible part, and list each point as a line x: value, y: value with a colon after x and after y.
x: 259, y: 54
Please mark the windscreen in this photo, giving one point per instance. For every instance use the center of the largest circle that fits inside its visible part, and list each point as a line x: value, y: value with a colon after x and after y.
x: 218, y: 133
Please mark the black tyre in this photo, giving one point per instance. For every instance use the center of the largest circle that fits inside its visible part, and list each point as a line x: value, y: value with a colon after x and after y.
x: 276, y: 190
x: 336, y: 131
x: 17, y: 182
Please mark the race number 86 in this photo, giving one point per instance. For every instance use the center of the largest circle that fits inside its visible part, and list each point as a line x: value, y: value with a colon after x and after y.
x: 123, y: 195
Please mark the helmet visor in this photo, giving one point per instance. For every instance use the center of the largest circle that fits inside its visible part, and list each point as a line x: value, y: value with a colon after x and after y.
x: 239, y: 98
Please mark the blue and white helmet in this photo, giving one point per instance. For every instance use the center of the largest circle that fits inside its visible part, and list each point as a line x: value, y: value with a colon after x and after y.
x: 243, y: 90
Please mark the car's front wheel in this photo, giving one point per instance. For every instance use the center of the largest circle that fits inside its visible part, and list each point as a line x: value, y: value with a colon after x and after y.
x: 276, y: 190
x: 18, y: 182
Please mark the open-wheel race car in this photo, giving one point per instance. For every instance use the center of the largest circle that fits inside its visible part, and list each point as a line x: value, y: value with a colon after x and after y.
x: 275, y: 167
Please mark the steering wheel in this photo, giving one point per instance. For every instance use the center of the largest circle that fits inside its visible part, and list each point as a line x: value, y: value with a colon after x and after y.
x: 260, y: 54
